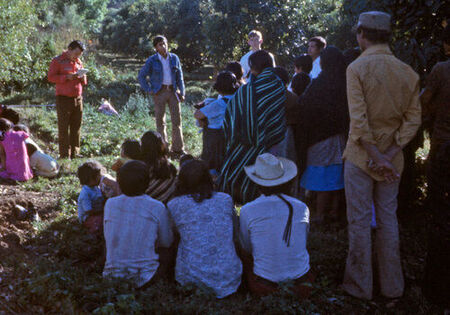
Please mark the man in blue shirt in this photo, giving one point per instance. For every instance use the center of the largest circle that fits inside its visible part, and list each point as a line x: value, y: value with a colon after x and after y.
x: 166, y: 86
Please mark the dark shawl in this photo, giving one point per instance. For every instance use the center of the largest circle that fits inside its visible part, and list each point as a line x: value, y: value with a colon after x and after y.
x: 323, y: 111
x: 254, y: 122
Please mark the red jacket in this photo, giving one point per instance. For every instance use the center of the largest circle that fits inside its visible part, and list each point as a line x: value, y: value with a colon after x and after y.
x: 60, y: 67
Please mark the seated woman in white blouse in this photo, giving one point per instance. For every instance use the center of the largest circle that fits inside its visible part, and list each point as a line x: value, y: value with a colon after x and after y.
x: 273, y: 230
x: 206, y: 253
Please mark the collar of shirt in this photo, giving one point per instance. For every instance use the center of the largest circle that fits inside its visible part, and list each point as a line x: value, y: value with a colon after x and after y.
x: 379, y: 49
x: 162, y: 59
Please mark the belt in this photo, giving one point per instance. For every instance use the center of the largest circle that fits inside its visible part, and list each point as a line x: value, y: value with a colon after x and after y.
x: 167, y: 87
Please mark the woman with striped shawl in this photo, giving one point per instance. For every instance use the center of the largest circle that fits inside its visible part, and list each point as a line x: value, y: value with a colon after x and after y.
x: 254, y: 123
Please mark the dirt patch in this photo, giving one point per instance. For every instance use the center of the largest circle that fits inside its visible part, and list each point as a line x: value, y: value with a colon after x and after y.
x: 14, y: 230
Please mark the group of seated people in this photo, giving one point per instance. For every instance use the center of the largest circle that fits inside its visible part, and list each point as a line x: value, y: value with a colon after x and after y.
x: 20, y: 156
x: 154, y: 211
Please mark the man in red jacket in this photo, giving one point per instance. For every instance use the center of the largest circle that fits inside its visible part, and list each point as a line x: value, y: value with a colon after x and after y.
x: 64, y: 72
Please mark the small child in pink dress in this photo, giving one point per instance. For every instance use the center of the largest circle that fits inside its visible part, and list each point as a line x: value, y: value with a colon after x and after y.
x: 14, y: 161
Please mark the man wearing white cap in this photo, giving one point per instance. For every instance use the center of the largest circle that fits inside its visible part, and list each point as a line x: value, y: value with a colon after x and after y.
x: 383, y: 100
x: 273, y: 230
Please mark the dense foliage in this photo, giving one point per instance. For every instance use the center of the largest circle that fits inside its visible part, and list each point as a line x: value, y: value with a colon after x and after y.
x: 17, y: 20
x: 200, y: 31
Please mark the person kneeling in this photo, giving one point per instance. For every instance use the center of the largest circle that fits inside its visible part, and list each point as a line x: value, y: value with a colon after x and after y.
x: 271, y: 252
x: 134, y: 226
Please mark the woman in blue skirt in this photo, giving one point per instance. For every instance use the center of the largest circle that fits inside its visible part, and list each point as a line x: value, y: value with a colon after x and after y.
x: 322, y: 131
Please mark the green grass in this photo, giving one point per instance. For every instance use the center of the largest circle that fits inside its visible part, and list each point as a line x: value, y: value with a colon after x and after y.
x: 64, y: 276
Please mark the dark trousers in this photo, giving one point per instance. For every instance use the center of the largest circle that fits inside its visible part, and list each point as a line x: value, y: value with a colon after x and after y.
x: 70, y: 112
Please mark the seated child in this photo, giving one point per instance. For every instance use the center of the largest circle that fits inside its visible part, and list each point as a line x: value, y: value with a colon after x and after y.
x: 14, y: 161
x: 137, y: 227
x: 213, y: 137
x: 41, y: 163
x: 131, y: 150
x: 91, y: 198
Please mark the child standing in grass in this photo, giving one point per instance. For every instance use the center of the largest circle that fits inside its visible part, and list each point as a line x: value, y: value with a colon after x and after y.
x: 15, y: 164
x: 91, y: 199
x: 213, y: 137
x: 131, y: 150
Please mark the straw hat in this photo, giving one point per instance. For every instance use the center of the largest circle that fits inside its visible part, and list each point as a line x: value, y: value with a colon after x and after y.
x: 270, y: 170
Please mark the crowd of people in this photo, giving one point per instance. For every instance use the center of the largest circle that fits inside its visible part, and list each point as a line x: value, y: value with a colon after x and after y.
x: 336, y: 128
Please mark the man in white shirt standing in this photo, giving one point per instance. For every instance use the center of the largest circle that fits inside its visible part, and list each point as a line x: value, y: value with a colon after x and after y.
x: 315, y: 47
x: 255, y: 41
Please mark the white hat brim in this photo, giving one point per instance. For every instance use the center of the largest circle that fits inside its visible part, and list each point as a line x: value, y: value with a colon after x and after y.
x: 290, y: 171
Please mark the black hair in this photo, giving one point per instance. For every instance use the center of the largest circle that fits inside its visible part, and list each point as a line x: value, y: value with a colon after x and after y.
x: 154, y: 153
x: 185, y: 158
x: 260, y: 60
x: 278, y: 190
x: 10, y: 114
x: 226, y: 83
x: 195, y: 180
x: 133, y: 178
x: 282, y: 74
x: 351, y: 54
x: 284, y: 188
x: 236, y: 68
x: 76, y: 44
x: 374, y: 36
x: 304, y: 62
x: 5, y: 125
x: 21, y: 127
x: 158, y: 39
x: 89, y: 170
x: 31, y: 148
x: 446, y: 33
x: 132, y: 149
x: 332, y: 61
x: 319, y: 40
x: 300, y: 82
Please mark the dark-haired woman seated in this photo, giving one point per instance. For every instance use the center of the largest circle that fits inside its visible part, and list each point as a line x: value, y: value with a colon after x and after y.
x: 163, y: 174
x: 274, y: 229
x: 204, y: 219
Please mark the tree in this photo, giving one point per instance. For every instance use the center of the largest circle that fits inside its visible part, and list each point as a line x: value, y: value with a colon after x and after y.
x: 17, y: 23
x: 286, y: 25
x: 189, y: 36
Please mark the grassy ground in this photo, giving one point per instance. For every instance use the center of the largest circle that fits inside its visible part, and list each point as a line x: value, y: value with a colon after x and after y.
x: 57, y: 269
x: 54, y: 267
